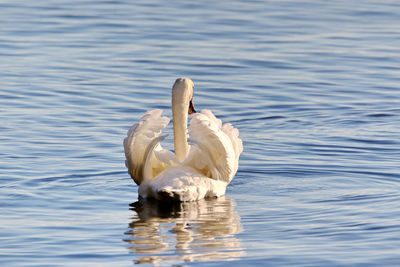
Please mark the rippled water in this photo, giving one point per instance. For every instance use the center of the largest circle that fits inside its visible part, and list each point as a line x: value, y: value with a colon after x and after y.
x: 313, y: 87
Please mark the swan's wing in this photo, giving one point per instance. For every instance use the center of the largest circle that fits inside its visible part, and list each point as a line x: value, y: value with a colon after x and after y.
x: 215, y: 147
x: 145, y: 157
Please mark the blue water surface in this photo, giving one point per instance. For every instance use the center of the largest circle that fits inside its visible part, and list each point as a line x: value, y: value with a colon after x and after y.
x: 313, y: 87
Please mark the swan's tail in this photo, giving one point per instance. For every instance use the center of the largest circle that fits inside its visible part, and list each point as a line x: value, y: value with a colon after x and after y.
x: 171, y: 194
x: 168, y: 195
x: 191, y: 192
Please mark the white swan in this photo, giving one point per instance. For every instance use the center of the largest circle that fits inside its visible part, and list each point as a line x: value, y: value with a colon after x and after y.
x: 197, y: 170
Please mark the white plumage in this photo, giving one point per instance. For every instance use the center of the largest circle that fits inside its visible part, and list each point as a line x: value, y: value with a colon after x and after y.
x: 205, y: 159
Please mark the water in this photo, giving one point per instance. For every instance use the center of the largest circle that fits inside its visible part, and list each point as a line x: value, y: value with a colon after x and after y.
x: 313, y: 87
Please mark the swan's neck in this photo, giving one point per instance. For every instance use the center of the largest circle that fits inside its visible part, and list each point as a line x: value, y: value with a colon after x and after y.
x: 180, y: 119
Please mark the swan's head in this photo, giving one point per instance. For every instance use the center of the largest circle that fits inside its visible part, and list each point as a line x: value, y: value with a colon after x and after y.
x: 182, y: 94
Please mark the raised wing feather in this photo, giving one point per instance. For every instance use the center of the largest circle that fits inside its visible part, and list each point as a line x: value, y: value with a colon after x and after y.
x: 215, y: 147
x: 145, y: 157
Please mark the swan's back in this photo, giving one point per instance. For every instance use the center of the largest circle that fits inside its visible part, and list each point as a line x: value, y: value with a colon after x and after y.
x: 181, y: 183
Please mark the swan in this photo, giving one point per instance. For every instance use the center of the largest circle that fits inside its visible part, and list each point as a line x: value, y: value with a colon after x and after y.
x: 201, y: 166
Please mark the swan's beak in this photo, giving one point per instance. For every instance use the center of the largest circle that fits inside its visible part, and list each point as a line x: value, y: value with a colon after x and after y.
x: 191, y: 107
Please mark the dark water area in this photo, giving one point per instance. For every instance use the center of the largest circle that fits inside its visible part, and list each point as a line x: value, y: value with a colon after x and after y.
x: 312, y: 86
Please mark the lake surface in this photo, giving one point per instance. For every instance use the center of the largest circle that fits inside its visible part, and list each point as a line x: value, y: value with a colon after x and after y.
x: 313, y: 87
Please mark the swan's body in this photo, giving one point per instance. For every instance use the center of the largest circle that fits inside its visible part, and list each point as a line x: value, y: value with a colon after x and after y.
x: 201, y: 169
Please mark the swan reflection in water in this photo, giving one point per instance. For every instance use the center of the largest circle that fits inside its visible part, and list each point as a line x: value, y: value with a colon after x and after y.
x: 191, y: 231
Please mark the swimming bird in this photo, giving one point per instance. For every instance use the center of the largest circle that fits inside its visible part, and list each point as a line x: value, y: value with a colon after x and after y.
x: 205, y: 157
